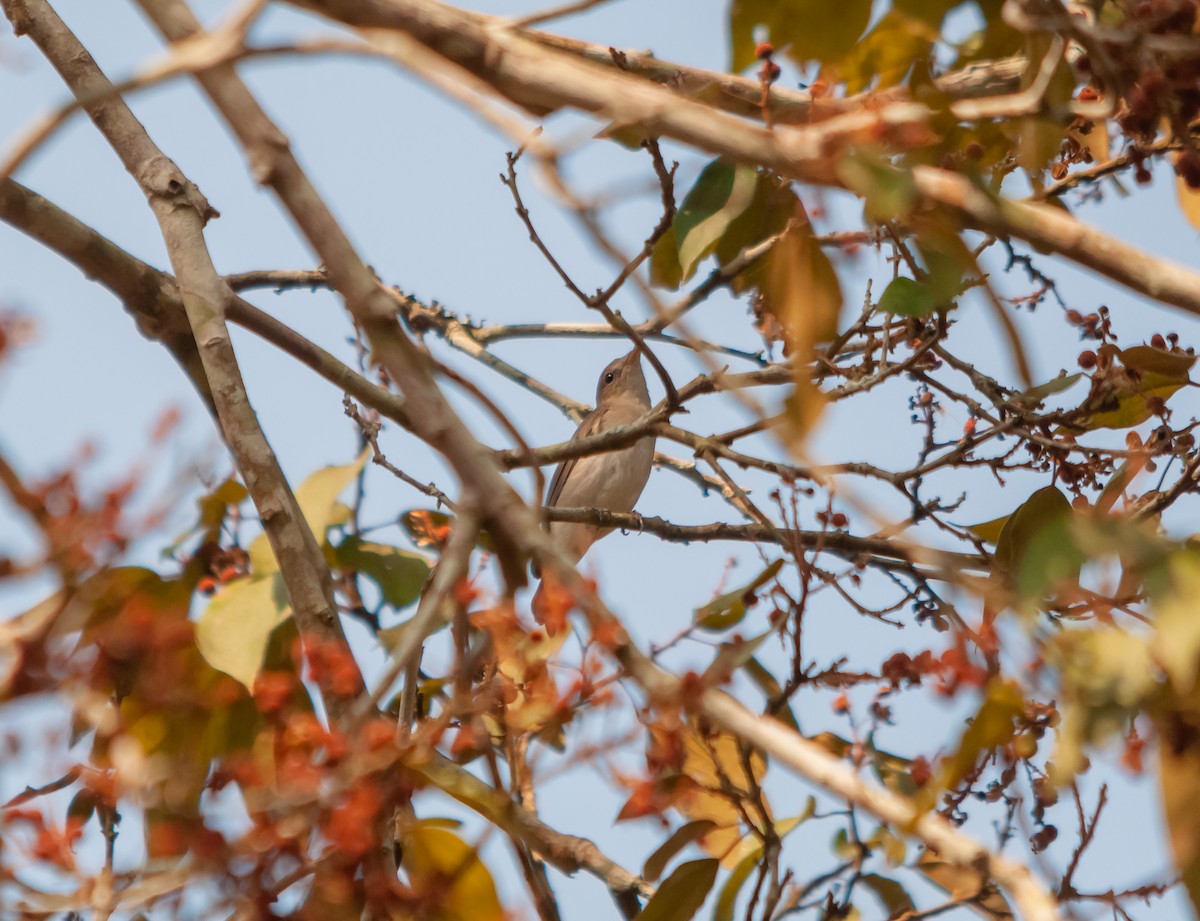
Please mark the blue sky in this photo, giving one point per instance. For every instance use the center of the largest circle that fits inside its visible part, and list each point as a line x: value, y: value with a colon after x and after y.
x: 415, y: 180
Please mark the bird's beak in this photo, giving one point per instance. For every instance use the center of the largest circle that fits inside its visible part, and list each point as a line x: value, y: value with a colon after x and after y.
x: 632, y: 359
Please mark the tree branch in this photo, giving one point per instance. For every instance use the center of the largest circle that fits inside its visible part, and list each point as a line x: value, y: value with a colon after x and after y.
x: 543, y: 79
x: 182, y: 211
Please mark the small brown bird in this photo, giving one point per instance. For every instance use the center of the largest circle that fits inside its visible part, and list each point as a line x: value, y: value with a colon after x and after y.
x: 613, y: 480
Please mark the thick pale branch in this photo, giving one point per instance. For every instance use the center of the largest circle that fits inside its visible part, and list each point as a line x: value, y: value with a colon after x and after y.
x: 152, y: 298
x: 543, y: 79
x: 504, y: 514
x: 373, y: 307
x: 807, y: 758
x: 149, y: 296
x: 182, y: 212
x: 1052, y: 231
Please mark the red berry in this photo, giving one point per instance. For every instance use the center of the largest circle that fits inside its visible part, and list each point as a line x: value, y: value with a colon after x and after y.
x: 1087, y: 359
x: 764, y: 50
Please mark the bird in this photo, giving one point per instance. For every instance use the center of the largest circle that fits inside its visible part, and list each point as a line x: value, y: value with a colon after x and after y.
x: 611, y: 480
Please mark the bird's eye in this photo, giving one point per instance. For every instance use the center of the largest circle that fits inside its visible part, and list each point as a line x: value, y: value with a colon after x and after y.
x: 608, y: 378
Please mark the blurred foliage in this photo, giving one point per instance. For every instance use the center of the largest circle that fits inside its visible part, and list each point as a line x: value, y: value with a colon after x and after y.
x: 1065, y: 628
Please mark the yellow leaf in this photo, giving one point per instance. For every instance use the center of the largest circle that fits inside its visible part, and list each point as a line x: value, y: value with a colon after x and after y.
x: 448, y: 877
x: 1107, y: 675
x: 715, y: 765
x: 801, y: 289
x: 1096, y: 141
x: 682, y: 893
x: 727, y: 610
x: 1176, y: 642
x: 964, y: 883
x: 1179, y: 778
x: 1122, y: 398
x: 721, y: 194
x: 993, y: 726
x: 1189, y: 201
x: 989, y: 531
x: 317, y: 497
x: 23, y: 628
x: 234, y: 629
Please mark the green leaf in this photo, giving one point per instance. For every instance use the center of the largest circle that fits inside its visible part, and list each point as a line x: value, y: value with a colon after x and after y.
x: 727, y: 610
x: 214, y: 505
x: 895, y: 851
x: 891, y: 894
x: 907, y: 298
x: 680, y: 838
x: 1043, y: 507
x: 317, y: 497
x: 1052, y: 560
x: 665, y: 271
x: 1034, y: 396
x: 997, y: 40
x: 767, y: 683
x: 948, y: 260
x: 391, y: 637
x: 233, y: 631
x: 732, y: 656
x: 1107, y: 675
x: 727, y: 897
x: 887, y: 53
x: 888, y: 193
x: 992, y: 726
x: 629, y: 136
x: 1037, y: 550
x: 721, y: 193
x: 1149, y: 360
x: 212, y: 508
x: 894, y: 772
x: 774, y: 204
x: 400, y: 574
x: 682, y: 893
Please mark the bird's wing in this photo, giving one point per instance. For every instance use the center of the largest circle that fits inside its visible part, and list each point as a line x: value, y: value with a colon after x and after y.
x: 563, y: 470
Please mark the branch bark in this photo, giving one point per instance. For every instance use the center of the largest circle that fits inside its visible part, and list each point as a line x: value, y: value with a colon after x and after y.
x: 879, y: 550
x: 543, y: 79
x: 182, y: 211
